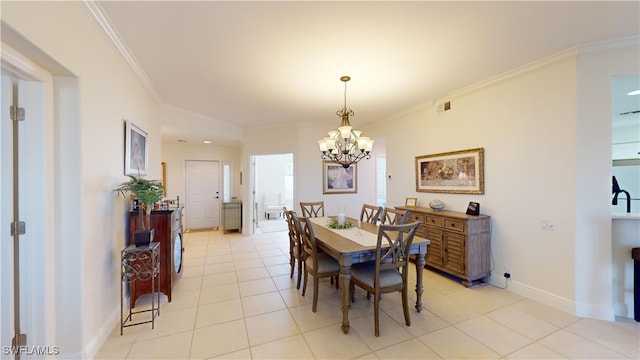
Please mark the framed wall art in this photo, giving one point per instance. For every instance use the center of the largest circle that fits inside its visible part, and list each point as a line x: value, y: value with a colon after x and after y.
x: 136, y: 150
x: 338, y: 180
x: 456, y: 172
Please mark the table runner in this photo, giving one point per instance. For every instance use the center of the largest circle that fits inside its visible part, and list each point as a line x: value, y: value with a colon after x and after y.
x: 362, y: 237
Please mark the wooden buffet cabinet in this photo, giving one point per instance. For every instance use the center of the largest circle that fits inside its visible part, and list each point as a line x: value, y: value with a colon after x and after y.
x: 167, y: 225
x: 460, y: 243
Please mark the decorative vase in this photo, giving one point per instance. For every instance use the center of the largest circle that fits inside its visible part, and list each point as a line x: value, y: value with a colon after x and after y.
x: 436, y: 205
x: 143, y: 237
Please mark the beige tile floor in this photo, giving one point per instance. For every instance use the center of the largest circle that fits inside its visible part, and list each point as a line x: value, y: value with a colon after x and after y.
x: 235, y: 300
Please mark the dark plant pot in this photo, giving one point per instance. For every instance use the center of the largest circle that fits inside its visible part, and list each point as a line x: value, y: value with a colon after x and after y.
x: 143, y: 237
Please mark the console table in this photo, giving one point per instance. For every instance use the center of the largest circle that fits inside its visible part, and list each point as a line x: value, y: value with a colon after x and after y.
x: 140, y: 263
x: 460, y: 243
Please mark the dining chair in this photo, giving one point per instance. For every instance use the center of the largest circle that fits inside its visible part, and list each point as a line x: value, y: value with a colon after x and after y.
x: 391, y: 216
x: 296, y: 254
x: 316, y: 263
x: 312, y: 208
x: 389, y: 272
x: 370, y: 213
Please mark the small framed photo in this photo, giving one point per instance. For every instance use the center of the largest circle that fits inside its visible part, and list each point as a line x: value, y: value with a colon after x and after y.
x: 136, y: 150
x: 338, y: 180
x: 411, y: 202
x: 473, y: 208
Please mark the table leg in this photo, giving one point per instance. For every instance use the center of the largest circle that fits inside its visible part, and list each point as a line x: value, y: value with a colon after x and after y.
x: 345, y: 280
x: 420, y: 262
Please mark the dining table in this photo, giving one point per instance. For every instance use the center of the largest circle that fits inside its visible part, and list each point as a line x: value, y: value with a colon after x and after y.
x: 355, y: 245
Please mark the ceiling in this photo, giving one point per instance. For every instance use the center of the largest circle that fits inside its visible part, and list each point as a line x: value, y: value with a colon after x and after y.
x: 261, y: 63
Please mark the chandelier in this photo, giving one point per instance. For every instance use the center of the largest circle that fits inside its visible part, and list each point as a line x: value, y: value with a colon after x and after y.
x: 345, y: 146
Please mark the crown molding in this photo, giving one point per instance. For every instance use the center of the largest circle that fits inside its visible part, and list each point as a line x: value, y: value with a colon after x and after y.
x: 96, y: 14
x: 624, y: 44
x: 570, y: 53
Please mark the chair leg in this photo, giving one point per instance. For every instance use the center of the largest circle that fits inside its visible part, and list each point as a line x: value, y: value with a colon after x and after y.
x: 315, y: 293
x: 300, y: 265
x: 304, y: 285
x: 376, y: 313
x: 292, y: 262
x: 405, y: 306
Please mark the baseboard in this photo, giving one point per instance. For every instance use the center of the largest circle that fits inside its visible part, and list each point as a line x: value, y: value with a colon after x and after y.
x: 595, y: 311
x: 558, y: 302
x: 94, y: 345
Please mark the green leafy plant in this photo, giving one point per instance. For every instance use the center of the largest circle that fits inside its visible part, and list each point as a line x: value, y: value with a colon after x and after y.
x: 147, y: 192
x: 333, y: 224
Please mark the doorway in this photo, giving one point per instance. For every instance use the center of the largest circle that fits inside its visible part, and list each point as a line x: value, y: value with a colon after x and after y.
x: 202, y: 189
x: 272, y: 187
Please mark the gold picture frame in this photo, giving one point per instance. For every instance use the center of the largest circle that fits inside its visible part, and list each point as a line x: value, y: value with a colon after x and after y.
x: 455, y: 172
x: 411, y: 202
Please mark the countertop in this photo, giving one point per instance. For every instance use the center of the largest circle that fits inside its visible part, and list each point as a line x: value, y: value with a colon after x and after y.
x: 625, y: 216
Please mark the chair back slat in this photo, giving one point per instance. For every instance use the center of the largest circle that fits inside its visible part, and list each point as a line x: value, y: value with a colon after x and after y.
x: 312, y: 208
x: 391, y: 216
x: 291, y: 224
x: 393, y: 246
x: 307, y: 239
x: 370, y: 213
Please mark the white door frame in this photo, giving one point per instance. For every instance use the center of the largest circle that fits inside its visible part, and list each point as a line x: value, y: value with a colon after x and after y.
x: 37, y: 203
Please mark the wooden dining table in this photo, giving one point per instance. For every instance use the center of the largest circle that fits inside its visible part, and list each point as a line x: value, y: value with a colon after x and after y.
x: 358, y: 245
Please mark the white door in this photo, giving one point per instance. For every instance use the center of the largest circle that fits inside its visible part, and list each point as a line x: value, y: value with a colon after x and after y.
x: 202, y: 208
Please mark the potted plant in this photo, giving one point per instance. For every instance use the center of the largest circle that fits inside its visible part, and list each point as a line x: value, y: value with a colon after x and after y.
x: 148, y: 192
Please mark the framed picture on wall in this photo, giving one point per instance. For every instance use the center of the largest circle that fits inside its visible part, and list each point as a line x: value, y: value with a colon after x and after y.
x: 136, y: 150
x: 338, y: 180
x: 455, y: 172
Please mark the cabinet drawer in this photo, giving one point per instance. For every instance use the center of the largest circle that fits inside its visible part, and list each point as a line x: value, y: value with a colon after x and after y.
x: 415, y: 217
x: 434, y: 221
x: 454, y: 225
